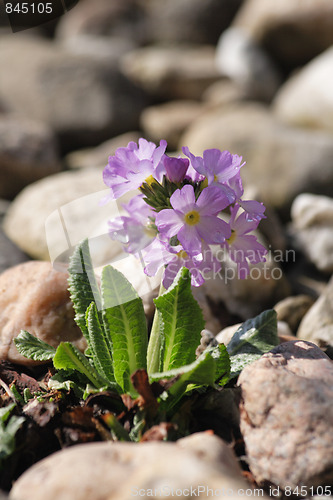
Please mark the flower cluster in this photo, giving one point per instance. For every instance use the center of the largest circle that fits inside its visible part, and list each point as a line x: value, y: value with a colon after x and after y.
x: 179, y: 213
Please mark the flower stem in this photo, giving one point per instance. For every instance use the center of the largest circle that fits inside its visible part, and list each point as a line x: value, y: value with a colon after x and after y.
x: 154, y: 345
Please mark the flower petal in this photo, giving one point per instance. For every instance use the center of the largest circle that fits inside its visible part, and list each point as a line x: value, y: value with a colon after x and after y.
x: 212, y: 200
x: 183, y: 199
x: 190, y: 239
x: 169, y: 222
x: 213, y: 230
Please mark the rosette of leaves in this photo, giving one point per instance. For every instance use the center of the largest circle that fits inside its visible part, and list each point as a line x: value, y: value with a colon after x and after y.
x: 112, y: 319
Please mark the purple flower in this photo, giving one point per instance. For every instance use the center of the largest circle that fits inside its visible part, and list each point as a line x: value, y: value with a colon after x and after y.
x: 159, y: 254
x: 131, y: 166
x: 175, y: 168
x: 193, y: 221
x: 136, y: 231
x: 218, y: 167
x: 242, y: 246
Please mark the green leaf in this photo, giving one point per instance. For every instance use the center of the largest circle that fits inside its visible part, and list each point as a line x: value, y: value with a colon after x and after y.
x: 211, y: 365
x: 82, y: 285
x: 33, y: 348
x: 222, y: 360
x: 5, y: 412
x: 252, y: 339
x: 117, y: 430
x: 99, y: 345
x: 68, y: 357
x: 182, y: 320
x: 125, y: 322
x: 8, y: 432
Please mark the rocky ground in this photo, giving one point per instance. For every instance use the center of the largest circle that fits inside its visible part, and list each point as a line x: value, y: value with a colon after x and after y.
x: 250, y: 76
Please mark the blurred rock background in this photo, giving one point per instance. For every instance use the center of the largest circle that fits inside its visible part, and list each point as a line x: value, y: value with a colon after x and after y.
x: 250, y: 76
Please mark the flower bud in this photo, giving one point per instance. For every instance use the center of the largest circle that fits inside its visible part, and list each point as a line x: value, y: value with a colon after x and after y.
x: 175, y: 168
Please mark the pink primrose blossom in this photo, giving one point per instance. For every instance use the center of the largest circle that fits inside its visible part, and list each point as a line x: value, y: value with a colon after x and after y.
x: 194, y: 220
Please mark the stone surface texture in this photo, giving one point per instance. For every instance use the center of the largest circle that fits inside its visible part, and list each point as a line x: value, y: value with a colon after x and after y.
x: 182, y: 72
x: 269, y: 148
x: 110, y: 19
x: 317, y: 324
x: 84, y: 100
x: 306, y: 99
x: 169, y: 120
x: 10, y: 254
x: 98, y: 156
x: 292, y: 309
x: 63, y: 210
x: 287, y: 414
x: 28, y: 152
x: 265, y: 285
x: 35, y: 297
x: 245, y: 62
x: 98, y: 471
x: 190, y: 21
x: 292, y: 31
x: 312, y: 223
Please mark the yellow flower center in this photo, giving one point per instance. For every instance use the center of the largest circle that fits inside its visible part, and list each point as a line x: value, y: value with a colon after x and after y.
x: 204, y: 183
x: 232, y: 237
x: 192, y: 218
x: 182, y: 254
x: 150, y: 180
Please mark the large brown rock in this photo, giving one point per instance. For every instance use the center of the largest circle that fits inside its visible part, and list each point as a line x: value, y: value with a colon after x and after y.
x: 34, y: 297
x: 293, y: 31
x: 287, y: 416
x: 119, y: 471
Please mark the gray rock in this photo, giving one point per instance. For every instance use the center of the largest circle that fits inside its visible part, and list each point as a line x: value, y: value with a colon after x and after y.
x: 98, y: 157
x: 63, y: 210
x: 292, y: 31
x: 84, y: 100
x: 28, y: 152
x: 104, y: 49
x: 182, y: 72
x: 168, y: 121
x: 223, y: 92
x: 287, y: 414
x: 292, y: 309
x: 245, y: 298
x: 107, y: 18
x: 306, y: 98
x: 10, y: 254
x: 120, y: 470
x: 245, y: 62
x: 34, y: 297
x: 317, y: 324
x: 190, y: 21
x: 269, y: 148
x: 312, y: 227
